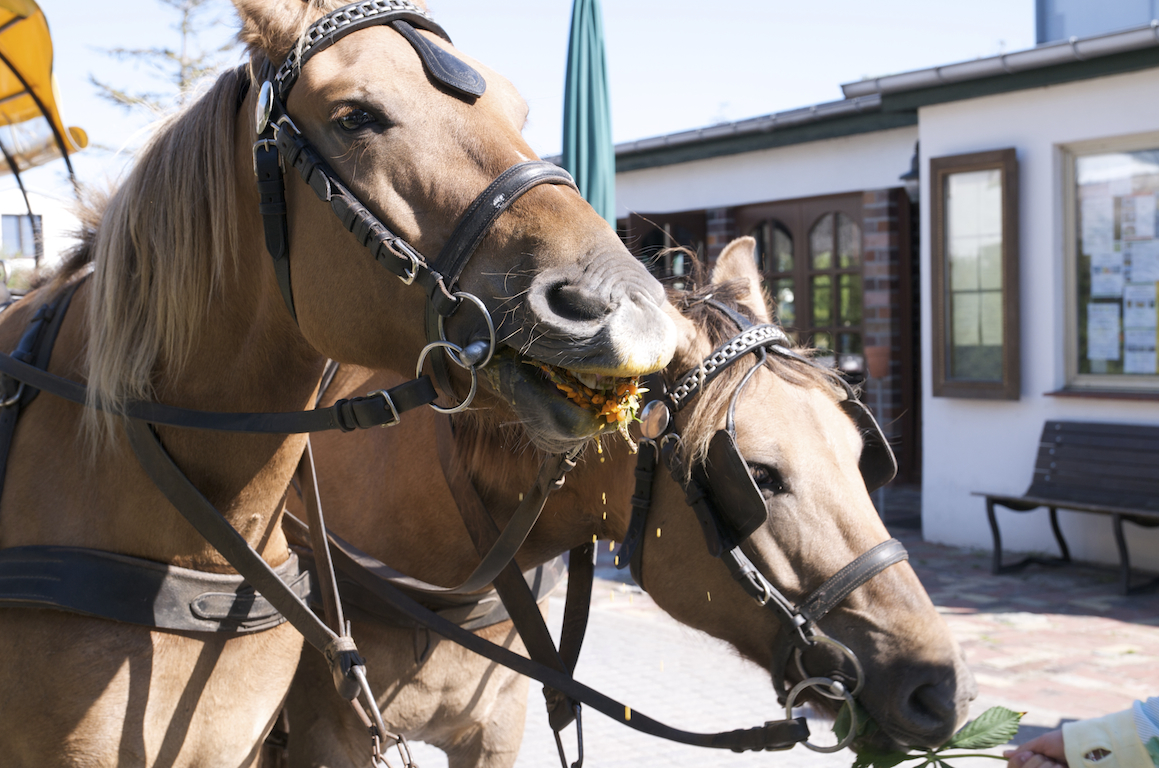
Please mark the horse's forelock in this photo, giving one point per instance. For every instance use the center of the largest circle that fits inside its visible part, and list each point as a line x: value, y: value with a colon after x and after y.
x: 167, y: 236
x: 709, y: 406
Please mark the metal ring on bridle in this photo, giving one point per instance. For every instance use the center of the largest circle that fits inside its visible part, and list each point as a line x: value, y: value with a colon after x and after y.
x: 454, y: 353
x: 457, y: 360
x: 836, y: 690
x: 844, y: 650
x: 15, y: 397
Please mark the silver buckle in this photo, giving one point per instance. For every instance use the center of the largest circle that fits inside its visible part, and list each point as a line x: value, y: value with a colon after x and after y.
x: 266, y: 143
x: 8, y: 402
x: 389, y: 404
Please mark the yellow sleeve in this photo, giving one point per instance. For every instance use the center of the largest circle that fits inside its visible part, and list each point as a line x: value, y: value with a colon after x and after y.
x: 1105, y: 742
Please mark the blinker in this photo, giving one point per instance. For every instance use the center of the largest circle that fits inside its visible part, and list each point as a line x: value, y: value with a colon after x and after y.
x: 264, y: 107
x: 877, y: 464
x: 738, y: 502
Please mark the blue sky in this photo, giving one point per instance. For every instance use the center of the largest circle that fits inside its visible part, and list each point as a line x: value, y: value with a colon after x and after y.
x: 673, y: 64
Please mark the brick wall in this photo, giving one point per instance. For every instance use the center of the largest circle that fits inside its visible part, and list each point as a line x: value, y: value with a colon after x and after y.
x: 881, y: 251
x: 721, y: 230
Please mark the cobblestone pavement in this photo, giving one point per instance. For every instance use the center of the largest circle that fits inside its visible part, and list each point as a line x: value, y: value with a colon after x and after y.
x: 1057, y: 643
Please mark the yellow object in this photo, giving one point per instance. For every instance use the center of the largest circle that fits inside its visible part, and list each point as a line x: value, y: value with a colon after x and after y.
x: 627, y: 713
x: 28, y: 90
x: 657, y: 533
x: 709, y: 596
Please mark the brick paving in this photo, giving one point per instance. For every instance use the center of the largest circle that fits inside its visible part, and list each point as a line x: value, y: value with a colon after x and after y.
x: 1057, y: 643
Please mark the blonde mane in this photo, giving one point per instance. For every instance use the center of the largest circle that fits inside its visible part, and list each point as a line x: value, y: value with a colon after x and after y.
x: 158, y: 254
x: 708, y: 407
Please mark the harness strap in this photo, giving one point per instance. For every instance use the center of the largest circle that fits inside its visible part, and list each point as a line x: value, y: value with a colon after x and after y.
x: 379, y: 409
x: 34, y: 348
x: 222, y: 536
x: 136, y: 591
x: 778, y: 734
x: 512, y: 589
x: 841, y: 584
x: 470, y: 610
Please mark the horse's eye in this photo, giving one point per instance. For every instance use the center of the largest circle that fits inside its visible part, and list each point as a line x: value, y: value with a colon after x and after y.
x: 353, y: 119
x: 768, y: 479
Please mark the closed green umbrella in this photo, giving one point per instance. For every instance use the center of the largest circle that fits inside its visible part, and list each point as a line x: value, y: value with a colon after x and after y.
x: 588, y: 153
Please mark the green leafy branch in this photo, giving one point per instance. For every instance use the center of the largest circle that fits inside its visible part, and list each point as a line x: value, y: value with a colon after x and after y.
x: 994, y: 727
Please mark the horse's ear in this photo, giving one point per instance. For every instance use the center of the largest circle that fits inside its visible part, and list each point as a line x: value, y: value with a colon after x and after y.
x: 273, y: 26
x: 738, y: 262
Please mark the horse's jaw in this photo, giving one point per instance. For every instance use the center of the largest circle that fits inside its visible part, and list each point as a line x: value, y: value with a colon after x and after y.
x: 551, y: 420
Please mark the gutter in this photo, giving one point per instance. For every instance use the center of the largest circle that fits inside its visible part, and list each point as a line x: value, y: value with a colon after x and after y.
x: 764, y: 124
x: 1051, y: 54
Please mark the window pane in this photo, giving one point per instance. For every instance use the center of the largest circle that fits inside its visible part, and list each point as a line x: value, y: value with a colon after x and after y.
x: 11, y: 235
x: 973, y: 245
x: 849, y: 343
x: 848, y: 242
x: 822, y: 300
x: 823, y: 341
x: 821, y: 243
x: 774, y: 247
x: 849, y: 300
x: 1118, y: 262
x: 786, y: 310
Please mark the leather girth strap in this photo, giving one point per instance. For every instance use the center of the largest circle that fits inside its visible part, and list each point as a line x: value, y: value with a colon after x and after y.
x: 142, y: 592
x: 520, y: 603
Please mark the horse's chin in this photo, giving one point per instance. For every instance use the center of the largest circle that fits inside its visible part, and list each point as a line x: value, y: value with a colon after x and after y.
x: 553, y: 422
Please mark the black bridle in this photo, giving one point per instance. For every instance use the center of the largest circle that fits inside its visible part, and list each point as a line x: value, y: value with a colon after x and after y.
x: 730, y: 507
x: 279, y: 140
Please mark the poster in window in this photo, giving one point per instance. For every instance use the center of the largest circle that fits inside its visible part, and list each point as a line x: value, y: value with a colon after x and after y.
x: 1139, y: 306
x: 1137, y: 217
x: 1103, y: 331
x: 1139, y: 351
x: 1143, y: 258
x: 1098, y: 224
x: 1107, y: 274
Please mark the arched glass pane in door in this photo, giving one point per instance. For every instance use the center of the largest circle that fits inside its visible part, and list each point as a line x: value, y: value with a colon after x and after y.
x: 774, y: 255
x: 835, y: 290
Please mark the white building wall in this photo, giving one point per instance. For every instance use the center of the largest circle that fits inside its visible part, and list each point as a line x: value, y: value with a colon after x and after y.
x: 846, y: 164
x: 57, y: 219
x: 976, y: 445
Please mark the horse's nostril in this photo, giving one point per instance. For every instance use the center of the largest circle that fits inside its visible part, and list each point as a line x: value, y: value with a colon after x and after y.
x: 572, y: 302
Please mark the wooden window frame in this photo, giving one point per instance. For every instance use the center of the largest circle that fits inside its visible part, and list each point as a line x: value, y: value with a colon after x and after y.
x: 1077, y: 384
x: 1009, y: 387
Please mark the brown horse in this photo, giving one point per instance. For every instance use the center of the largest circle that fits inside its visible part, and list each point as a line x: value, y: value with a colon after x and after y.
x: 384, y: 492
x: 179, y: 303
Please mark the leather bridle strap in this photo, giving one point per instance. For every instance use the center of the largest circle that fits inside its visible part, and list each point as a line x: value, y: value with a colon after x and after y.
x: 499, y: 195
x: 379, y: 409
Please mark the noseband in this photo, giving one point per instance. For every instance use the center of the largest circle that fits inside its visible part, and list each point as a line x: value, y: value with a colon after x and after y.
x: 279, y: 140
x: 730, y: 507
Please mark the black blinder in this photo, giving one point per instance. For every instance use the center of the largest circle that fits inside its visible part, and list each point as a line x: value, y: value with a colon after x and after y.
x: 878, y: 465
x: 738, y: 502
x: 443, y: 66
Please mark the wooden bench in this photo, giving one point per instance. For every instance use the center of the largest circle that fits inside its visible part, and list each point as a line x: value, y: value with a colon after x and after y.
x: 1101, y: 469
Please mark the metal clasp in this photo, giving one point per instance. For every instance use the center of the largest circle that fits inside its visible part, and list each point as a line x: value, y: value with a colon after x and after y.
x: 579, y: 737
x: 15, y: 398
x: 266, y: 143
x: 389, y: 404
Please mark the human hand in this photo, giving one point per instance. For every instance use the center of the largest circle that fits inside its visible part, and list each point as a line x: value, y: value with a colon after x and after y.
x: 1045, y: 751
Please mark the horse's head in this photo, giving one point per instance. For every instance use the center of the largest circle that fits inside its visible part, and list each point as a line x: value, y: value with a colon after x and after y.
x: 813, y: 516
x: 417, y: 148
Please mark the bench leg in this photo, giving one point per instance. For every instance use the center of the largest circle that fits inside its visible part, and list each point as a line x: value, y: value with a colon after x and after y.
x: 1125, y: 563
x: 1064, y: 551
x: 998, y: 567
x: 996, y: 564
